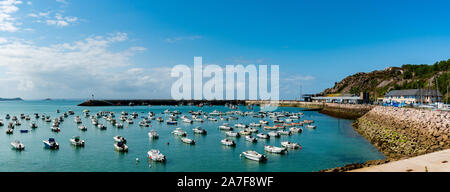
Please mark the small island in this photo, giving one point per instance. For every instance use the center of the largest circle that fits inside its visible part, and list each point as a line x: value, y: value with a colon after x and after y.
x: 11, y: 99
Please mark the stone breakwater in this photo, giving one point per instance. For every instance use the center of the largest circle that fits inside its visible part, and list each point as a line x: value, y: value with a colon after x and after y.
x: 405, y: 132
x: 347, y: 111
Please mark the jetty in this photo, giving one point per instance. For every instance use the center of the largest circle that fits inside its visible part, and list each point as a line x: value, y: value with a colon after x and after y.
x: 168, y: 102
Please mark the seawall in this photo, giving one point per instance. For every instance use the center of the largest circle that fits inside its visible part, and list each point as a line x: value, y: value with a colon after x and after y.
x: 405, y: 132
x: 94, y: 103
x: 347, y: 111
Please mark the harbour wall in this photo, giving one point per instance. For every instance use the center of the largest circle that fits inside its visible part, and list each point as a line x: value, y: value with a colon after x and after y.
x: 347, y: 111
x: 170, y: 102
x: 405, y: 132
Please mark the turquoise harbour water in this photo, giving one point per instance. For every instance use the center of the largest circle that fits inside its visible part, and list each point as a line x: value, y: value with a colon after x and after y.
x: 334, y: 143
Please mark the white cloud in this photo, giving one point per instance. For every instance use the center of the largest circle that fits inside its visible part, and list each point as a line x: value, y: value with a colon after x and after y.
x: 7, y: 21
x: 61, y: 21
x: 175, y: 39
x: 78, y: 69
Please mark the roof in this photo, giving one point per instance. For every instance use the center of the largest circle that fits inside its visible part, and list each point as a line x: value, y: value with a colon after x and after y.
x: 345, y: 98
x: 414, y: 92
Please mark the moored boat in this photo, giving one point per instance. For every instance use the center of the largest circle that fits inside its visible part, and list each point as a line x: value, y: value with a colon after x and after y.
x: 232, y: 134
x: 262, y: 136
x: 77, y: 141
x: 51, y: 144
x: 273, y: 149
x: 290, y: 145
x: 153, y: 134
x: 188, y: 141
x: 17, y: 145
x: 121, y: 147
x: 228, y: 142
x: 179, y: 132
x: 119, y: 138
x: 156, y: 155
x: 199, y: 130
x: 250, y: 138
x: 253, y: 155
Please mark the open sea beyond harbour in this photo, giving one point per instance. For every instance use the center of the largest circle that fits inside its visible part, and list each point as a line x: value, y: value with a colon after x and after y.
x: 334, y: 143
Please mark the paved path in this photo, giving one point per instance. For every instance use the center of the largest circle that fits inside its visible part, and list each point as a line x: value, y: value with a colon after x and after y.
x: 432, y: 162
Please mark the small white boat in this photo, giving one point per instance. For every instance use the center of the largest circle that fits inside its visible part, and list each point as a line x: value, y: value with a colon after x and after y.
x: 17, y: 145
x: 179, y: 132
x: 155, y: 155
x: 186, y: 120
x: 240, y: 125
x: 199, y: 130
x: 232, y: 134
x: 33, y: 125
x: 153, y: 134
x: 160, y: 119
x: 273, y: 149
x: 171, y: 122
x: 199, y: 120
x: 121, y: 147
x: 273, y: 134
x: 212, y: 119
x: 82, y: 127
x: 225, y: 127
x: 255, y: 125
x: 187, y: 140
x: 250, y: 138
x: 253, y: 155
x: 296, y: 130
x: 252, y: 130
x: 77, y: 120
x: 55, y: 129
x: 130, y: 121
x: 143, y: 124
x: 311, y: 126
x: 228, y: 142
x: 245, y: 132
x: 9, y: 131
x: 101, y: 126
x: 281, y: 132
x: 77, y: 141
x: 120, y: 139
x: 290, y: 145
x: 263, y: 136
x: 51, y: 144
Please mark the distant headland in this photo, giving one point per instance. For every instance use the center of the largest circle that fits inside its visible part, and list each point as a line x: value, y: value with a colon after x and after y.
x: 11, y: 99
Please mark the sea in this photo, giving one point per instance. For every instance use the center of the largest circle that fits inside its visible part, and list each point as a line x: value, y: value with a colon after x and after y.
x: 333, y: 143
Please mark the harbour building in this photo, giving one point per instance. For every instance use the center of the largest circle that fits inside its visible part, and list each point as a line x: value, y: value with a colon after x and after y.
x: 413, y: 96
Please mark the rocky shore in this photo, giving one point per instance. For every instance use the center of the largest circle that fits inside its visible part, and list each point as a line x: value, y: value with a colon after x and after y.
x: 405, y: 132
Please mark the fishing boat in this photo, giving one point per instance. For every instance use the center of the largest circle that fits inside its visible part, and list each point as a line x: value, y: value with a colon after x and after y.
x: 55, y: 129
x: 232, y: 134
x: 121, y: 147
x: 253, y: 155
x: 77, y: 120
x: 311, y: 126
x: 199, y: 130
x: 17, y: 123
x: 9, y: 131
x: 160, y: 119
x: 51, y: 144
x: 250, y: 138
x: 263, y: 136
x: 119, y: 139
x: 7, y: 116
x: 187, y: 140
x: 179, y: 132
x: 153, y: 134
x: 273, y: 134
x: 82, y: 127
x: 273, y: 149
x: 290, y: 145
x: 155, y: 155
x: 228, y: 142
x: 119, y: 125
x: 77, y: 141
x: 17, y: 145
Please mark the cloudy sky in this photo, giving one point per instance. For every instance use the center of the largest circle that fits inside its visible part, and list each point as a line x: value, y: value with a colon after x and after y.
x: 126, y: 49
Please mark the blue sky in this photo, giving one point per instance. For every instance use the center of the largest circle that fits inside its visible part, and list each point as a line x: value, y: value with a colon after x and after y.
x: 125, y: 49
